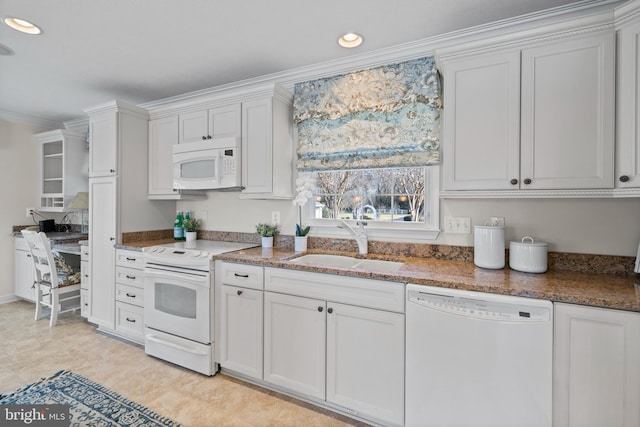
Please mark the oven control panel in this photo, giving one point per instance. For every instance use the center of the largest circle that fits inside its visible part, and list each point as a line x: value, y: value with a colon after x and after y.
x: 175, y: 252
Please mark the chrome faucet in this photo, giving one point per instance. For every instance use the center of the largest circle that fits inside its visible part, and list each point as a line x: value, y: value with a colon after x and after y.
x: 360, y: 235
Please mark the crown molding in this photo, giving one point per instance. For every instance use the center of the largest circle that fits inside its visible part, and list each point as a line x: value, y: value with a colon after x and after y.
x: 627, y: 13
x: 560, y: 16
x: 25, y: 119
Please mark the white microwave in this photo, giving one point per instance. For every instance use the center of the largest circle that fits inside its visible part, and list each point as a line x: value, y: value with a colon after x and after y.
x: 207, y: 165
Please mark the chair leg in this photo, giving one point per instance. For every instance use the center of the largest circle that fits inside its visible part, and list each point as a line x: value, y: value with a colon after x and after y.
x: 38, y: 302
x: 55, y: 307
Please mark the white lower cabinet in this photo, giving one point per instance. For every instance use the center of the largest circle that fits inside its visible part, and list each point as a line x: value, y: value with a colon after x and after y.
x: 596, y: 367
x: 319, y: 345
x: 241, y: 330
x: 23, y: 271
x: 85, y: 282
x: 129, y: 295
x: 294, y: 343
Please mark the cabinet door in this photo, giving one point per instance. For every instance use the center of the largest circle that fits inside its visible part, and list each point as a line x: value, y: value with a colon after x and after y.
x: 628, y: 108
x: 102, y: 238
x: 193, y: 127
x: 163, y: 134
x: 225, y: 121
x: 294, y: 343
x: 365, y: 362
x: 481, y: 122
x: 596, y: 367
x: 257, y: 162
x: 24, y: 275
x: 241, y: 331
x: 568, y: 114
x: 103, y: 145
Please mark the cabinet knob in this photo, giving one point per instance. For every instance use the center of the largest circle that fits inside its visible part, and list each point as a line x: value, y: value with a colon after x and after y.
x: 624, y: 178
x: 514, y: 181
x: 527, y: 181
x: 320, y: 309
x: 208, y: 136
x: 329, y: 310
x: 112, y: 238
x: 204, y: 137
x: 239, y: 292
x: 112, y: 170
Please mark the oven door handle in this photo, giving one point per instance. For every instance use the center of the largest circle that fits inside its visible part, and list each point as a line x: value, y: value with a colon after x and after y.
x: 175, y: 346
x: 196, y: 279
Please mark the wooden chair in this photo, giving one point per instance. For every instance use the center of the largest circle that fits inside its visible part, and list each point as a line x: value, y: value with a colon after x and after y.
x: 57, y: 284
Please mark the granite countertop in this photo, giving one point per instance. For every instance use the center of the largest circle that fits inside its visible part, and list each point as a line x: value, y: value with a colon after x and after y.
x: 599, y: 290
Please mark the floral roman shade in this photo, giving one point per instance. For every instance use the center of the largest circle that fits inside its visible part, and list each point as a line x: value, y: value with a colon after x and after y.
x: 387, y: 116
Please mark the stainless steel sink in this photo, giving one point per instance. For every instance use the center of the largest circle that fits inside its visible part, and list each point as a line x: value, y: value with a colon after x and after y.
x: 339, y: 261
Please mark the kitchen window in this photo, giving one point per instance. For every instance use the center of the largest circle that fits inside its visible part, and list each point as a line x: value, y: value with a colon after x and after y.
x: 398, y: 204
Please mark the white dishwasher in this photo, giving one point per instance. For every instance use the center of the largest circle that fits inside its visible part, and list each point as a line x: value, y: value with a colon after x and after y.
x: 477, y: 359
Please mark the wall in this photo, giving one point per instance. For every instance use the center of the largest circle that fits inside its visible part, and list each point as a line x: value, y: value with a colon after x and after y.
x: 19, y: 175
x: 594, y: 226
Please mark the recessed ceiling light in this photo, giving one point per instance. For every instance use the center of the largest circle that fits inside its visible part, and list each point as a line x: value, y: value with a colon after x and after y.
x: 22, y: 25
x: 350, y: 40
x: 5, y: 50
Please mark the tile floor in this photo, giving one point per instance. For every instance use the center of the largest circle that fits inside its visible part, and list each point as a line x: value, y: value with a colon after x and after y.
x: 30, y: 350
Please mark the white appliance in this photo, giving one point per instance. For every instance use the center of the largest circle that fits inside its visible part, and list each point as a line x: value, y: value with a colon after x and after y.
x: 208, y: 164
x: 477, y: 359
x: 178, y: 307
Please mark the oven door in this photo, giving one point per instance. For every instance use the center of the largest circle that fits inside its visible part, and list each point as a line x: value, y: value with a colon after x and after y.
x: 178, y: 302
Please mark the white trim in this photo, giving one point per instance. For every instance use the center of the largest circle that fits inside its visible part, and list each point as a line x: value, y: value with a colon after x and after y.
x: 409, y: 232
x: 25, y: 119
x: 5, y: 299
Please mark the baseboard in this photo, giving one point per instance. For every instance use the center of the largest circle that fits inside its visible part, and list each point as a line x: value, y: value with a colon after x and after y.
x: 8, y: 298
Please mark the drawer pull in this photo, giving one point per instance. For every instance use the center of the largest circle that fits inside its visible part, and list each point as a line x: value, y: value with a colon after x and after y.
x: 129, y: 319
x: 244, y: 276
x: 131, y: 277
x: 130, y: 259
x: 130, y: 295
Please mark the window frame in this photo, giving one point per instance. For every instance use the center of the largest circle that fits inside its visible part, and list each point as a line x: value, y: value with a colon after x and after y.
x: 387, y: 231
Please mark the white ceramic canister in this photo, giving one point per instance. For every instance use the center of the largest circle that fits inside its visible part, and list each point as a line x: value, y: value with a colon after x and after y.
x: 488, y: 246
x: 528, y: 256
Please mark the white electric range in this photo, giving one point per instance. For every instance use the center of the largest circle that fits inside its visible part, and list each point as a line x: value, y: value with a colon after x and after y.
x: 179, y: 301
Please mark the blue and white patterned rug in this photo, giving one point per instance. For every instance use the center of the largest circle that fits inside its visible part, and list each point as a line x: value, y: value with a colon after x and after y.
x: 90, y: 404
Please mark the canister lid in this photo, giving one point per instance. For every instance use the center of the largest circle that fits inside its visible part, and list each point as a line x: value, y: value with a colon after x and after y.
x: 530, y: 242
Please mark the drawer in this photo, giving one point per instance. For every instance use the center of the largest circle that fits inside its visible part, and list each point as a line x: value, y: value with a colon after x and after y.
x: 372, y: 293
x: 84, y: 253
x: 85, y: 274
x: 129, y: 258
x: 243, y: 275
x: 85, y: 301
x: 130, y: 321
x: 129, y: 276
x: 130, y: 294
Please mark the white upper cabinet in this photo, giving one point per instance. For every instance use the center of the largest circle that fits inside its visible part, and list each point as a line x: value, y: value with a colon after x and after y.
x: 103, y: 157
x: 218, y: 122
x: 481, y: 124
x: 567, y: 128
x: 628, y: 97
x: 530, y: 116
x: 267, y: 145
x: 63, y: 168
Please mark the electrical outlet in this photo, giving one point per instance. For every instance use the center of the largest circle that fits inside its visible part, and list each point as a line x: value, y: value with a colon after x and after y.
x: 28, y: 212
x: 497, y: 221
x: 275, y: 217
x: 457, y: 224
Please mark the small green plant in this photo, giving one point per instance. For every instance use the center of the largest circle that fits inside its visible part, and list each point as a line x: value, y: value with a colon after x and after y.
x: 191, y: 224
x: 301, y: 232
x: 267, y: 230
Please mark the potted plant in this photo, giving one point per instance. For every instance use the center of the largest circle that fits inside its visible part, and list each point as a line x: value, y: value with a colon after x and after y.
x: 267, y: 232
x: 191, y: 226
x: 304, y: 189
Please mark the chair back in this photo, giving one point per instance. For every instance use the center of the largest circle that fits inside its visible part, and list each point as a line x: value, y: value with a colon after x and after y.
x: 43, y: 260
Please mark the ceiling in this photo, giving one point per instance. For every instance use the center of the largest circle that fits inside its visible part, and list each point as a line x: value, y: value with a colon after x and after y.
x: 139, y: 51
